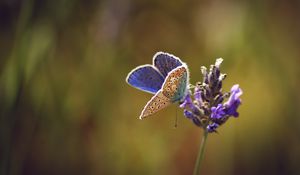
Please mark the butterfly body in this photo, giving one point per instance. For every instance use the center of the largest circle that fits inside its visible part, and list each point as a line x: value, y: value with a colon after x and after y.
x: 167, y: 79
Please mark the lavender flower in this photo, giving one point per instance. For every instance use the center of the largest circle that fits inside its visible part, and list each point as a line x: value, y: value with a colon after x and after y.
x: 205, y: 107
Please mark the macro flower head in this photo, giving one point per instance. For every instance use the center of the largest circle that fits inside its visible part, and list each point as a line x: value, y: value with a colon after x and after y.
x: 204, y: 104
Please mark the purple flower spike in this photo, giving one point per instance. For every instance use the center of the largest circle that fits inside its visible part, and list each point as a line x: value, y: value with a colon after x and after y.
x: 204, y: 105
x: 217, y: 112
x: 234, y: 101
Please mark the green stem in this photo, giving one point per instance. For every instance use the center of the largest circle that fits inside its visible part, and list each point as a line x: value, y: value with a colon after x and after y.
x: 200, y: 153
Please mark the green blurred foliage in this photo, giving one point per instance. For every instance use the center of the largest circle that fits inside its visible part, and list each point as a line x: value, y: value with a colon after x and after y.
x: 66, y: 109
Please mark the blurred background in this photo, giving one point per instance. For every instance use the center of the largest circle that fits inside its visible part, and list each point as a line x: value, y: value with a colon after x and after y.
x: 66, y: 108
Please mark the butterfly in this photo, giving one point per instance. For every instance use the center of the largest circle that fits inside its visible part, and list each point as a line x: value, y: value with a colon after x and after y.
x: 167, y: 79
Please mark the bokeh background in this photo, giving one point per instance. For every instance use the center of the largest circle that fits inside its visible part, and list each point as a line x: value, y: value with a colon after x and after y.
x: 66, y: 109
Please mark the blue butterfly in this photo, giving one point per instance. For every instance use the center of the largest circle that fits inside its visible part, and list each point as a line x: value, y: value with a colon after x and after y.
x: 167, y: 78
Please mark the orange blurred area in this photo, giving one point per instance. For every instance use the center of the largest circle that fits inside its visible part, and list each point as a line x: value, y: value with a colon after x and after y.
x: 66, y: 109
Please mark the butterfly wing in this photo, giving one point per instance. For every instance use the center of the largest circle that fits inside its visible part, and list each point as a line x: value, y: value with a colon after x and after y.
x: 158, y: 101
x: 166, y: 62
x: 145, y: 78
x: 174, y: 89
x: 175, y: 85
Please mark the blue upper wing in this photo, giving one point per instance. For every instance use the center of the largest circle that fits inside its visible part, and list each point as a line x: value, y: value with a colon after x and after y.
x: 145, y: 78
x: 165, y: 62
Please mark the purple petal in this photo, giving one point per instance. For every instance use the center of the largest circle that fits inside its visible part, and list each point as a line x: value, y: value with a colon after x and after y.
x: 187, y: 101
x: 192, y: 117
x: 198, y: 96
x: 188, y: 114
x: 212, y: 127
x: 236, y: 92
x: 234, y: 101
x: 217, y: 112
